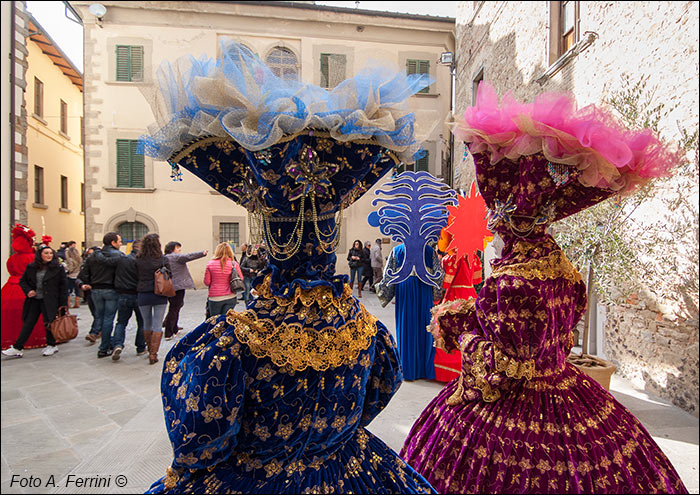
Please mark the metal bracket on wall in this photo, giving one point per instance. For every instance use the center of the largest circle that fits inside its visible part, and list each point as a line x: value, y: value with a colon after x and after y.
x: 589, y: 38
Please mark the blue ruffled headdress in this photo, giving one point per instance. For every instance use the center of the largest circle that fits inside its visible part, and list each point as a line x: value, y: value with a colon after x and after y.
x: 293, y: 154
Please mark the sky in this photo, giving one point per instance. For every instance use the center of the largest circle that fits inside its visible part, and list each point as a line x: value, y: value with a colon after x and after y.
x: 69, y: 35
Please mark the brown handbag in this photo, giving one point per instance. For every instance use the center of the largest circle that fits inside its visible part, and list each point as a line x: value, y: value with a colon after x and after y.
x: 65, y: 326
x: 163, y: 285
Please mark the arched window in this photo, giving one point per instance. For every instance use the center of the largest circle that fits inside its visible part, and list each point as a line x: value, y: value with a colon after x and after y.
x: 283, y: 63
x: 131, y: 231
x: 235, y: 56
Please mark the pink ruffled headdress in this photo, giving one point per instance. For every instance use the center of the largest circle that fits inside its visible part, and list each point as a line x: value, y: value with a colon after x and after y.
x: 547, y: 155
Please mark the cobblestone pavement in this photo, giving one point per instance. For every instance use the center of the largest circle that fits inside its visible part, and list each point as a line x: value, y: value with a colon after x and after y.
x: 72, y: 414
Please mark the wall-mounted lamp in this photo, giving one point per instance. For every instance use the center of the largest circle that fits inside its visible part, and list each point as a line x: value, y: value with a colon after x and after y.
x: 447, y: 58
x: 98, y: 10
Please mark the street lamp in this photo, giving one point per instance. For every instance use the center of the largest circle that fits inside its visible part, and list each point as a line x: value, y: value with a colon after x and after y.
x: 98, y: 10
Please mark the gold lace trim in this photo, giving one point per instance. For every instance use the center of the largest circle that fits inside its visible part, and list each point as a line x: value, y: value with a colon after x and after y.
x: 511, y: 367
x: 321, y: 296
x: 554, y: 265
x: 298, y: 345
x: 172, y: 476
x: 224, y: 140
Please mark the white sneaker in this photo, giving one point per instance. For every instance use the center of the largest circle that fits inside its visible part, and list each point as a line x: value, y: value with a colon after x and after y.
x: 50, y: 350
x: 12, y: 352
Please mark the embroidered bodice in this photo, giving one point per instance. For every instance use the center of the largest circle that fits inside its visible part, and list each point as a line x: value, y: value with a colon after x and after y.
x: 520, y: 326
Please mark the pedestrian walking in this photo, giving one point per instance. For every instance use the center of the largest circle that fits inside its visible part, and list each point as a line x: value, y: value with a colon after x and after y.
x: 45, y: 284
x: 366, y: 267
x: 217, y: 277
x: 152, y: 306
x: 72, y: 265
x: 86, y: 294
x: 126, y: 278
x: 245, y: 296
x: 355, y: 256
x: 376, y: 262
x: 251, y: 267
x: 61, y: 253
x: 98, y: 276
x: 182, y: 280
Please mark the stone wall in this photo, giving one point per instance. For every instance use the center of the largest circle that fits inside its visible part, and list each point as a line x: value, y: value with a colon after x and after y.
x: 509, y: 43
x: 654, y: 353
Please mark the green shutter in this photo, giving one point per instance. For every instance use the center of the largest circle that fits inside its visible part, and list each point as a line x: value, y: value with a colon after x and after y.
x: 129, y: 63
x: 423, y: 163
x: 138, y: 178
x: 418, y: 67
x: 123, y: 165
x: 136, y: 63
x: 123, y: 63
x: 130, y: 165
x: 324, y: 70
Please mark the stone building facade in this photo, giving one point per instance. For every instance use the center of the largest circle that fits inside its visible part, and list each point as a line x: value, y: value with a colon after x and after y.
x: 13, y: 166
x: 149, y: 33
x: 586, y: 48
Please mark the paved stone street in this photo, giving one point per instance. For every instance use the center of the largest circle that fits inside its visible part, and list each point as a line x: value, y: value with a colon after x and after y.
x: 75, y: 414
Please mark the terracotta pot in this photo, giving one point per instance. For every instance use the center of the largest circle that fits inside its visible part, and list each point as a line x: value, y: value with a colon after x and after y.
x: 598, y: 369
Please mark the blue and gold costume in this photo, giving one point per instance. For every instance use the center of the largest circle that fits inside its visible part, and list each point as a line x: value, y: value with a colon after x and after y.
x: 275, y: 399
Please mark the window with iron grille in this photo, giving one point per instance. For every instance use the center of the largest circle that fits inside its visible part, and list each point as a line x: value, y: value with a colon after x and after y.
x: 82, y: 197
x: 423, y: 163
x: 129, y: 63
x: 38, y: 184
x: 131, y: 231
x: 332, y: 69
x: 130, y: 165
x: 418, y: 67
x: 283, y: 63
x: 64, y: 192
x: 228, y: 232
x: 64, y: 117
x: 38, y: 98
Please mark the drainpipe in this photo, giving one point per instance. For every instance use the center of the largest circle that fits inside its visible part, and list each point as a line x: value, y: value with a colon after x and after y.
x: 13, y: 118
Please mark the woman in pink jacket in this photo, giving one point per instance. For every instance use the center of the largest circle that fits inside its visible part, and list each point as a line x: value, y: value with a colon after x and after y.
x: 218, y: 278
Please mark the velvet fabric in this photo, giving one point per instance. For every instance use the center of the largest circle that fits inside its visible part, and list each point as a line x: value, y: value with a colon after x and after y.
x: 458, y: 283
x: 520, y: 419
x: 241, y: 423
x: 261, y: 182
x: 275, y: 398
x: 414, y: 298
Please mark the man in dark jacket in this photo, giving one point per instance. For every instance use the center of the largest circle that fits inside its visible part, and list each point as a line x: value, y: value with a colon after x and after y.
x: 126, y: 278
x: 98, y: 276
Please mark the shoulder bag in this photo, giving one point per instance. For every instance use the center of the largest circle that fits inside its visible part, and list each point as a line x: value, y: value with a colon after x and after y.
x: 65, y: 326
x: 236, y: 283
x: 163, y: 283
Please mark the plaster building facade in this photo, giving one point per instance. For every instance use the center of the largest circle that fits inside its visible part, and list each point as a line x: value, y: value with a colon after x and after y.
x: 54, y: 101
x: 323, y: 45
x: 589, y: 49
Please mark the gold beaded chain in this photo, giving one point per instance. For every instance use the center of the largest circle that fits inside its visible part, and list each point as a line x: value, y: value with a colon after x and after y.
x: 328, y: 242
x: 290, y: 248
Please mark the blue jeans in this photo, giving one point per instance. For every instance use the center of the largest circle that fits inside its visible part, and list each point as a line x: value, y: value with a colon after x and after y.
x: 106, y: 301
x: 221, y: 307
x: 248, y: 283
x: 128, y: 304
x: 355, y: 271
x: 153, y: 317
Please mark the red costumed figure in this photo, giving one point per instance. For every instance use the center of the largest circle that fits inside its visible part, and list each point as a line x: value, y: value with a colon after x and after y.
x: 12, y: 295
x: 465, y: 233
